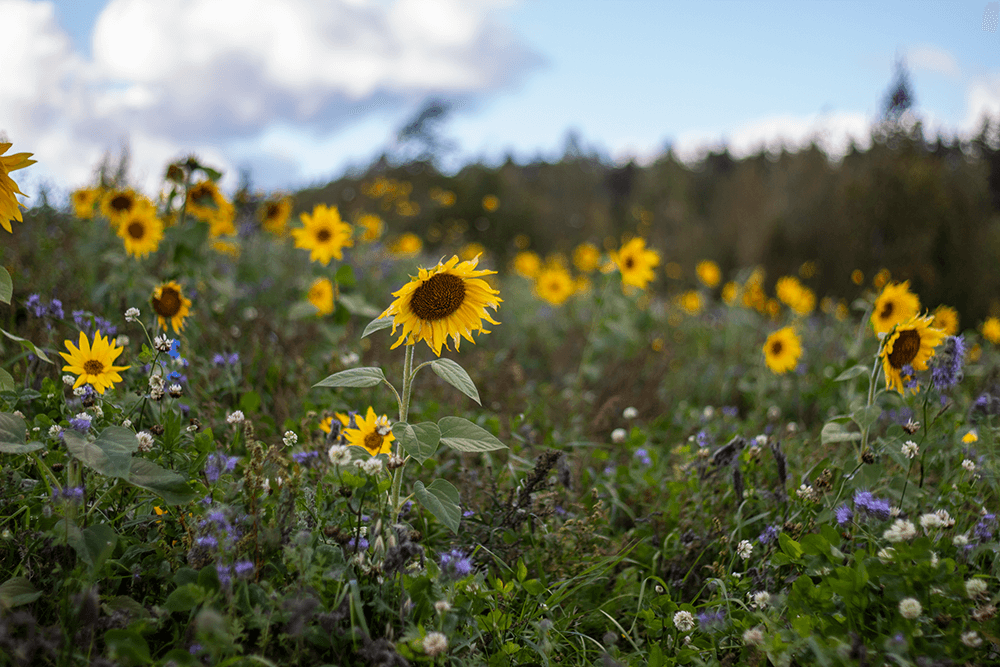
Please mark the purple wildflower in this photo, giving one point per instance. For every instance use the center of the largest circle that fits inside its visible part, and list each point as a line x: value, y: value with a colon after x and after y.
x: 81, y: 422
x: 244, y: 569
x: 712, y: 620
x: 769, y: 535
x: 218, y: 360
x: 207, y: 541
x: 455, y: 564
x: 876, y: 507
x: 233, y: 359
x: 844, y: 514
x: 56, y: 309
x: 643, y: 457
x: 703, y: 438
x: 34, y: 305
x: 106, y: 326
x: 216, y: 464
x: 225, y: 574
x: 357, y: 544
x: 730, y: 411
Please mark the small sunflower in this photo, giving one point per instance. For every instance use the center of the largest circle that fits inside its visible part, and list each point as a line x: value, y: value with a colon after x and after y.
x: 554, y: 284
x: 10, y: 208
x: 586, y: 257
x: 910, y: 346
x: 406, y: 245
x: 221, y: 221
x: 527, y: 264
x: 372, y: 227
x: 708, y: 273
x: 203, y: 200
x: 170, y: 304
x: 324, y: 234
x: 83, y: 201
x: 690, y: 302
x: 94, y: 364
x: 273, y: 215
x: 448, y: 300
x: 117, y: 204
x: 141, y: 231
x: 782, y: 350
x: 636, y: 263
x: 372, y: 433
x: 321, y: 296
x: 991, y: 330
x: 895, y: 304
x: 946, y: 319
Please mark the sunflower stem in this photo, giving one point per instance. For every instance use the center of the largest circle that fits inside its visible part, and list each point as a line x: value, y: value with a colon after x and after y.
x: 404, y: 409
x: 872, y: 381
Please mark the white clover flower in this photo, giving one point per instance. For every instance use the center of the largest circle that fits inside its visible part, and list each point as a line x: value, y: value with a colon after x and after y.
x: 382, y: 426
x: 760, y: 440
x: 442, y: 606
x: 236, y: 417
x: 960, y: 540
x: 910, y: 608
x: 339, y: 455
x: 900, y: 531
x: 162, y: 343
x: 191, y: 428
x: 98, y: 411
x: 156, y: 381
x: 971, y: 639
x: 934, y: 559
x: 371, y: 466
x: 80, y: 391
x: 618, y: 436
x: 630, y: 413
x: 68, y: 380
x: 753, y: 637
x: 744, y: 549
x: 290, y: 438
x: 806, y: 493
x: 349, y: 358
x: 126, y: 423
x: 760, y: 599
x: 175, y: 390
x: 976, y: 588
x: 945, y: 519
x: 886, y: 555
x: 132, y: 315
x: 122, y: 340
x: 84, y: 415
x: 930, y: 521
x: 145, y: 440
x: 708, y: 412
x: 969, y: 465
x: 435, y: 643
x: 910, y: 449
x: 55, y: 430
x: 684, y: 621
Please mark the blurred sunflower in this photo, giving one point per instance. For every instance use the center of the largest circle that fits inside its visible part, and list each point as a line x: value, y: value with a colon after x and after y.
x: 372, y: 433
x: 372, y: 227
x: 273, y: 215
x: 908, y: 348
x: 169, y: 303
x: 991, y: 330
x: 227, y: 247
x: 806, y: 303
x: 327, y: 424
x: 94, y: 364
x: 491, y: 203
x: 894, y: 305
x: 946, y: 319
x: 729, y: 292
x: 636, y: 263
x: 203, y: 200
x: 586, y: 257
x: 10, y: 208
x: 406, y: 245
x: 527, y: 264
x: 788, y: 289
x: 324, y: 234
x: 321, y: 296
x: 83, y: 201
x: 782, y: 350
x: 221, y: 220
x: 448, y: 300
x: 690, y: 302
x: 117, y: 204
x: 470, y: 250
x: 141, y: 230
x: 554, y: 284
x: 708, y: 273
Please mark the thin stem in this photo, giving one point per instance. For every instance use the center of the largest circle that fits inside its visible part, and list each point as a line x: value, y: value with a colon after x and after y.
x: 404, y: 408
x: 872, y: 381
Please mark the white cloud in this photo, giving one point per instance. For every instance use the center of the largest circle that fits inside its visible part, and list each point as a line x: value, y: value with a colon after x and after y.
x: 932, y: 59
x: 982, y: 98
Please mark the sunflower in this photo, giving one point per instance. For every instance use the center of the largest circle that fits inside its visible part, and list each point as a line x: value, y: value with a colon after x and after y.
x: 372, y: 227
x: 406, y: 245
x: 10, y: 208
x: 324, y: 234
x: 527, y: 264
x: 321, y: 296
x: 203, y: 200
x: 636, y: 263
x: 327, y: 424
x: 782, y: 350
x: 729, y: 293
x: 117, y: 204
x: 273, y: 215
x: 141, y: 230
x: 221, y: 220
x: 586, y: 257
x: 554, y: 284
x: 83, y: 201
x: 226, y: 246
x: 690, y: 302
x: 991, y: 330
x: 788, y: 289
x: 946, y: 319
x: 448, y: 300
x: 169, y: 303
x: 93, y: 364
x: 708, y: 273
x: 910, y: 346
x: 894, y: 305
x: 372, y: 433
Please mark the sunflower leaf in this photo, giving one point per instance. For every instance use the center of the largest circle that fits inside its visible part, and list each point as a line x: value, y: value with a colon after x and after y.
x: 851, y: 373
x: 12, y: 435
x: 165, y: 483
x: 27, y: 344
x: 440, y: 499
x: 464, y: 436
x: 354, y: 377
x: 455, y: 375
x: 6, y: 381
x: 110, y: 454
x: 866, y: 416
x: 835, y: 432
x: 356, y: 305
x: 17, y: 591
x: 419, y: 440
x: 6, y: 286
x: 377, y: 325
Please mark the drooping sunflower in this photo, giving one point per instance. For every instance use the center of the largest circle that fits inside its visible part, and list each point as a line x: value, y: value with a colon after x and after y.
x: 636, y: 263
x: 324, y: 234
x: 554, y: 284
x: 373, y: 433
x: 708, y: 273
x: 273, y: 215
x: 910, y: 346
x: 527, y: 264
x: 586, y: 257
x: 448, y: 300
x: 117, y: 204
x: 93, y: 363
x: 83, y: 201
x: 946, y: 319
x: 10, y: 208
x: 203, y: 200
x: 321, y: 296
x: 141, y: 230
x: 170, y: 304
x: 895, y: 304
x: 782, y: 350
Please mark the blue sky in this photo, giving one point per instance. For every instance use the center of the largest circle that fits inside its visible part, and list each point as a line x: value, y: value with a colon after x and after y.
x: 630, y: 76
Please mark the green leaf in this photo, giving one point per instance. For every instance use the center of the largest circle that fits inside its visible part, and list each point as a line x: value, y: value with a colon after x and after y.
x: 357, y: 305
x: 110, y: 454
x: 250, y: 402
x: 463, y: 435
x: 866, y: 416
x: 851, y: 373
x: 377, y: 325
x: 100, y: 540
x: 6, y: 286
x: 345, y: 276
x: 185, y: 598
x: 354, y: 377
x: 6, y: 381
x: 12, y: 435
x: 165, y: 483
x: 28, y: 345
x: 418, y: 440
x: 17, y: 591
x: 455, y: 375
x: 441, y: 500
x: 128, y: 647
x: 789, y: 546
x: 834, y: 432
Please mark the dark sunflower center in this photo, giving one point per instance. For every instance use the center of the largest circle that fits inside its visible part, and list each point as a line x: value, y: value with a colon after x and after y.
x: 776, y: 347
x: 887, y: 309
x: 121, y: 203
x: 323, y: 235
x: 438, y: 297
x: 169, y: 303
x: 373, y: 442
x: 630, y: 262
x: 137, y: 230
x: 93, y: 367
x: 272, y: 211
x: 905, y: 349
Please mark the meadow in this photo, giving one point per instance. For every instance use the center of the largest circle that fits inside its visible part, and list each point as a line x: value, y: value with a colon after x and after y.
x: 264, y: 429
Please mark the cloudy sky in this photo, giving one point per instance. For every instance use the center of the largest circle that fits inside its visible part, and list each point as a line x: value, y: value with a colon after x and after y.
x: 300, y: 90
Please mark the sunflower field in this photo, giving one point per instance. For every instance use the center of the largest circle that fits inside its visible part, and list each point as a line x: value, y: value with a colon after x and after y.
x: 297, y: 429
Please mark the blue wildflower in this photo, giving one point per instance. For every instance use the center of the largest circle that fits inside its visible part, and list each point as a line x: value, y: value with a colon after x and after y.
x: 207, y: 541
x: 703, y: 438
x: 34, y: 305
x: 175, y: 346
x: 80, y: 321
x: 216, y: 464
x: 233, y: 359
x: 844, y: 514
x: 56, y: 309
x: 357, y: 544
x: 455, y: 564
x: 225, y: 574
x: 643, y: 457
x: 712, y: 620
x: 81, y: 422
x: 244, y: 569
x: 946, y: 369
x: 769, y: 535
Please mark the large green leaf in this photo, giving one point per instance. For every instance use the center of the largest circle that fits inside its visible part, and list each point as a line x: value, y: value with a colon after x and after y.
x: 357, y: 305
x: 463, y: 435
x: 110, y: 454
x: 455, y: 375
x: 419, y: 440
x: 440, y: 499
x: 354, y: 377
x: 377, y: 325
x: 834, y: 432
x: 99, y: 540
x: 28, y: 345
x: 6, y: 286
x: 17, y: 591
x: 6, y: 381
x: 12, y: 440
x: 165, y: 483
